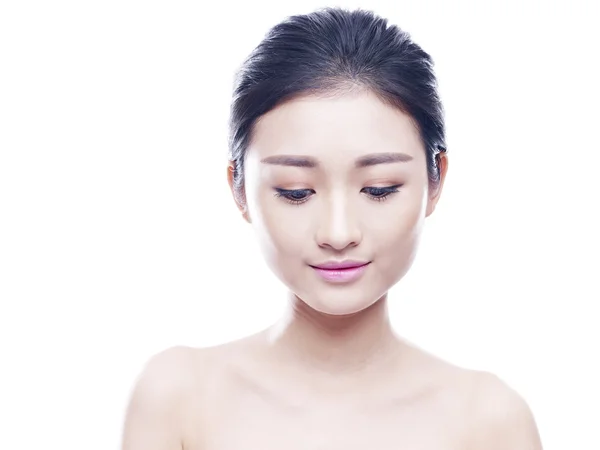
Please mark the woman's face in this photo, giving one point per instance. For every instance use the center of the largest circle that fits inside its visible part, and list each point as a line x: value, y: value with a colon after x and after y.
x: 337, y: 192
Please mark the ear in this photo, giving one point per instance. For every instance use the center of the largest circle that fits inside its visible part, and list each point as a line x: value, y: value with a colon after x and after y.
x: 239, y: 196
x: 435, y: 193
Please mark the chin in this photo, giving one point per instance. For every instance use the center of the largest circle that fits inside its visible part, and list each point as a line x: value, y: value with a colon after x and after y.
x: 340, y: 303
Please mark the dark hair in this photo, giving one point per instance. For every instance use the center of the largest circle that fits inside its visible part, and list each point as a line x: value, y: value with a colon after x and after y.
x: 332, y: 51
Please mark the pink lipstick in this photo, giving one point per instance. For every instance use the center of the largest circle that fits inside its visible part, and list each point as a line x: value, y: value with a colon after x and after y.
x: 341, y: 271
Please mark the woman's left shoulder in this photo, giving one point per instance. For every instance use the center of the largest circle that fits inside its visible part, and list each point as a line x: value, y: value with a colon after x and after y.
x: 500, y: 417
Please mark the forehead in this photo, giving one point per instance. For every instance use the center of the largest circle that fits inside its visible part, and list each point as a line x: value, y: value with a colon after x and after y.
x: 341, y: 127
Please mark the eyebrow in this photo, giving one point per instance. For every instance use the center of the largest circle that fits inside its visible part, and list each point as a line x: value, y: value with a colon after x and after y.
x: 291, y: 161
x: 311, y: 163
x: 382, y: 158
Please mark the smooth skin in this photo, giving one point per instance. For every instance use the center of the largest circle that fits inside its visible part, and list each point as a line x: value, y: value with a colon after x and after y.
x: 329, y: 178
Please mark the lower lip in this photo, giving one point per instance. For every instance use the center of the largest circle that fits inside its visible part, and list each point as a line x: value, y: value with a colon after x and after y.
x: 341, y: 275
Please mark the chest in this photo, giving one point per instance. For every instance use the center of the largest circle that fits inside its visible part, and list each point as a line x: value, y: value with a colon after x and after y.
x: 251, y: 420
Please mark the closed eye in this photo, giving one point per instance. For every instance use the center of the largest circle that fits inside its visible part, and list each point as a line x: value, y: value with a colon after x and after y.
x: 294, y: 196
x: 299, y: 196
x: 380, y: 193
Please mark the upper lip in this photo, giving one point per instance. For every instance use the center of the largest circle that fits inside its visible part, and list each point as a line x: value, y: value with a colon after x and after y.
x: 346, y: 264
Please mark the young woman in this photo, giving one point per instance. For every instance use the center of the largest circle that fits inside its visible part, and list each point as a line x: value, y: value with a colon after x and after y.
x: 337, y: 157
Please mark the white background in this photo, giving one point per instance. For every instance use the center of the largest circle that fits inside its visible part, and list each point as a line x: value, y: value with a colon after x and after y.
x: 119, y: 237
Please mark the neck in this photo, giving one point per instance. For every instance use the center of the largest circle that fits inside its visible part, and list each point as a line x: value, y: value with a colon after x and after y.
x: 348, y: 345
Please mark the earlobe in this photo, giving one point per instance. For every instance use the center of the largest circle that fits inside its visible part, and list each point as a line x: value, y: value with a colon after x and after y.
x: 431, y: 202
x: 436, y: 192
x: 238, y: 197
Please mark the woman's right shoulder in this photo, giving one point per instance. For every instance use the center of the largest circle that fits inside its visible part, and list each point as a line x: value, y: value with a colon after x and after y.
x: 157, y: 408
x: 170, y: 375
x: 172, y: 364
x: 171, y: 368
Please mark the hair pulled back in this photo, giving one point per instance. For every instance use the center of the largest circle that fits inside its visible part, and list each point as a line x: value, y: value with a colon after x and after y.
x: 333, y: 51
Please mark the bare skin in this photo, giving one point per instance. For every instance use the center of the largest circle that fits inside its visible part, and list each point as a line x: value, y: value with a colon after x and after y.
x: 241, y: 395
x: 332, y: 373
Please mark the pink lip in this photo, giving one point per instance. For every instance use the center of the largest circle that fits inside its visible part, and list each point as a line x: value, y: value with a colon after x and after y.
x: 341, y: 272
x: 348, y: 264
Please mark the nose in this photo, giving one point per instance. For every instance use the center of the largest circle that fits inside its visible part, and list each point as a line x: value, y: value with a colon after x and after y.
x: 338, y: 227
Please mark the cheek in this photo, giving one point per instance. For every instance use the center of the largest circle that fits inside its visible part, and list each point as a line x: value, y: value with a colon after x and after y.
x: 284, y: 228
x: 396, y: 231
x: 402, y: 218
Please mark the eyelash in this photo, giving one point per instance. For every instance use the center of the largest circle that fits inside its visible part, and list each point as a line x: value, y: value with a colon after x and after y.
x: 287, y: 194
x: 378, y: 194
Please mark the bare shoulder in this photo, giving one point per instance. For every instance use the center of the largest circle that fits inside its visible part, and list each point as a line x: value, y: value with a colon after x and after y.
x: 168, y: 371
x: 501, y: 419
x: 156, y: 412
x: 491, y: 414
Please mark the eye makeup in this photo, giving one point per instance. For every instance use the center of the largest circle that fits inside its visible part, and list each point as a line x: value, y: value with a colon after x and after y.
x: 299, y: 196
